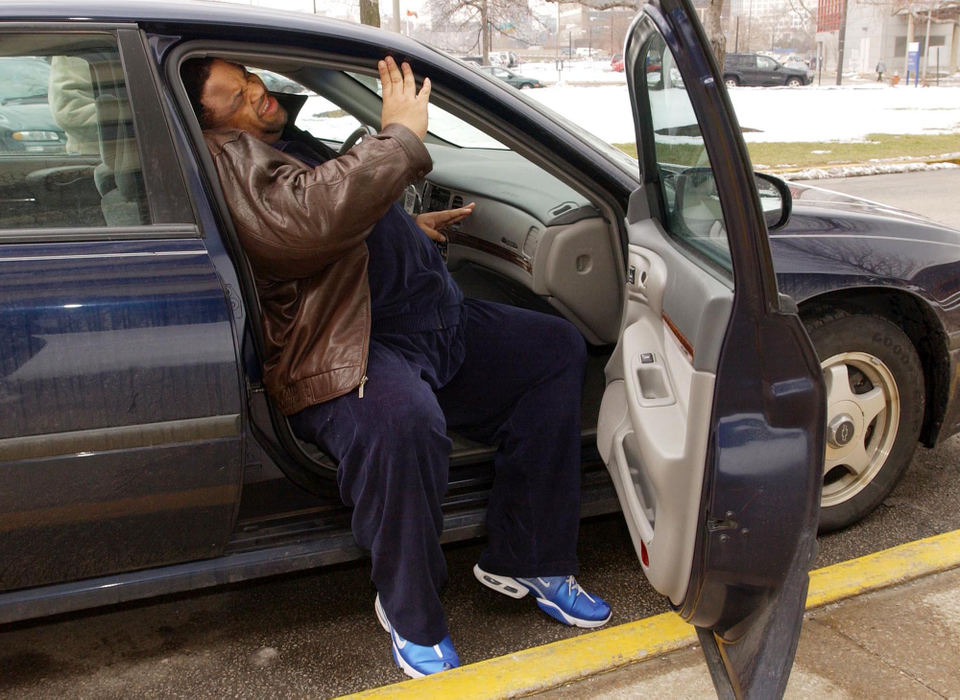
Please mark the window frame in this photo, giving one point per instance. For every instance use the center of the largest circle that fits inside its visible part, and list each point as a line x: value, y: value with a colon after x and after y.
x: 655, y: 174
x: 167, y: 200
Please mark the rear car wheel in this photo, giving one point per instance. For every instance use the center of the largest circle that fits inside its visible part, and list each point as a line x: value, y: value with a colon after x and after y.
x: 875, y: 403
x: 794, y: 82
x: 731, y: 81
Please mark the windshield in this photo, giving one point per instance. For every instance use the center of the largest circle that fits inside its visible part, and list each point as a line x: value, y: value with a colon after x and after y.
x: 443, y: 125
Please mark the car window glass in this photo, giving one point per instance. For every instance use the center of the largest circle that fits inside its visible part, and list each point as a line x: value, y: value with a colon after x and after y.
x: 694, y: 216
x: 321, y: 117
x: 765, y: 63
x: 68, y: 151
x: 443, y: 124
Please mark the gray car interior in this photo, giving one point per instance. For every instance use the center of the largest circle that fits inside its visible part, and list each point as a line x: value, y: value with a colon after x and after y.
x: 533, y: 240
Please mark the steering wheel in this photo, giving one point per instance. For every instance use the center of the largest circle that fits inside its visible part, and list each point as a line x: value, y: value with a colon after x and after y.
x: 355, y: 135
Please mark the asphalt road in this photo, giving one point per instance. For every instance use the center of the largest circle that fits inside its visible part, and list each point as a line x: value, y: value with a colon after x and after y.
x: 315, y: 634
x: 932, y: 193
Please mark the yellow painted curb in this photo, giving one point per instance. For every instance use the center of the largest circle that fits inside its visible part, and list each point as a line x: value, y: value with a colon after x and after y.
x: 551, y: 665
x: 882, y: 569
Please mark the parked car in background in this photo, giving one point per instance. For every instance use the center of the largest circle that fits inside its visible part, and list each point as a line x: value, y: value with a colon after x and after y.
x: 504, y: 59
x: 26, y: 123
x: 616, y: 63
x: 753, y: 69
x: 277, y: 83
x: 521, y: 82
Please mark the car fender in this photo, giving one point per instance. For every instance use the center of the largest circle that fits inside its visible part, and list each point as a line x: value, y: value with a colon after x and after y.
x: 913, y: 283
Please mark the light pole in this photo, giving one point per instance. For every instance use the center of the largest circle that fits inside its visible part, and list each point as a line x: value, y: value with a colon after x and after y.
x: 841, y: 40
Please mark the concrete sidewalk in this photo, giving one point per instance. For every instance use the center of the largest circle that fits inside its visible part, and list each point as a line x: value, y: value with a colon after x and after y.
x: 883, y: 625
x: 901, y: 642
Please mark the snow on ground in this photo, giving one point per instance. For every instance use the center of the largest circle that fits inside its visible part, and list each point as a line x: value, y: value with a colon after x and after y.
x: 596, y: 98
x: 845, y: 113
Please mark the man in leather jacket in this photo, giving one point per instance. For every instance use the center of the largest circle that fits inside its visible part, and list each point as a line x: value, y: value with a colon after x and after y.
x: 373, y: 352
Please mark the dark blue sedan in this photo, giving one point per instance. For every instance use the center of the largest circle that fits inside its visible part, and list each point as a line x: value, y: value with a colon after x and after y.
x: 140, y: 455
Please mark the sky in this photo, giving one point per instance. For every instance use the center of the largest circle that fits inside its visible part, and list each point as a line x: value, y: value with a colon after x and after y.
x: 342, y: 9
x: 348, y: 9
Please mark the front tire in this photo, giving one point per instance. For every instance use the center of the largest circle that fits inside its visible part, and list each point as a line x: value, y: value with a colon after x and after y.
x: 875, y: 404
x: 794, y: 82
x: 731, y: 81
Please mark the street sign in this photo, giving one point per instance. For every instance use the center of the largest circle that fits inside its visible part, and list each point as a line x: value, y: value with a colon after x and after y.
x: 913, y: 61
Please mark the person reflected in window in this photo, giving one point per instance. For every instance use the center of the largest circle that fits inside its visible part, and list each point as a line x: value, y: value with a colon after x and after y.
x: 72, y: 104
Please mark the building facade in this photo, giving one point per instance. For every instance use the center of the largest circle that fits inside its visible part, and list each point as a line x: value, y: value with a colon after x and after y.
x: 881, y: 30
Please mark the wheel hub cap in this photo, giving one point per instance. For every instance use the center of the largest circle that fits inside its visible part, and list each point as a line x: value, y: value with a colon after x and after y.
x: 841, y: 430
x: 861, y: 425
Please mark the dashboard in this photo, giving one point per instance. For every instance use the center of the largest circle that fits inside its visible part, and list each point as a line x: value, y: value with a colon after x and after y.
x: 531, y: 228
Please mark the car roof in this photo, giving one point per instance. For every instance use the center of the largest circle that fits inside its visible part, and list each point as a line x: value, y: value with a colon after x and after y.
x: 195, y: 12
x: 222, y: 20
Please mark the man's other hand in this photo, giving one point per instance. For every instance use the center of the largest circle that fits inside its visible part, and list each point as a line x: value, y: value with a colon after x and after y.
x: 432, y: 221
x: 402, y: 104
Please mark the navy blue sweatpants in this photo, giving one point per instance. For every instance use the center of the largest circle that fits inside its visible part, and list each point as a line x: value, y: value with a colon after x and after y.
x: 504, y: 376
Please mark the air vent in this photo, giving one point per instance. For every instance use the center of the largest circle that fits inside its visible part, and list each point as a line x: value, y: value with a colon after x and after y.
x: 530, y: 242
x: 562, y: 209
x: 457, y: 201
x: 438, y: 199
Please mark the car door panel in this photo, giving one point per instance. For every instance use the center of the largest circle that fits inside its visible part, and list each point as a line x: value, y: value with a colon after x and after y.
x: 712, y: 420
x: 118, y: 365
x: 120, y: 398
x: 654, y: 424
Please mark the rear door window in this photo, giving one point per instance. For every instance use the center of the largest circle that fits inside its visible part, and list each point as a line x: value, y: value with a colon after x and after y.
x: 68, y: 150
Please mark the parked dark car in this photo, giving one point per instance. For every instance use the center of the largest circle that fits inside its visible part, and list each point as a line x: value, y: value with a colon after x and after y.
x: 754, y: 69
x: 140, y: 455
x: 521, y: 82
x: 26, y: 124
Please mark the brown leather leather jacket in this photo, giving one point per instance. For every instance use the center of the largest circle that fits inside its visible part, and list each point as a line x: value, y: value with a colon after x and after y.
x: 303, y: 230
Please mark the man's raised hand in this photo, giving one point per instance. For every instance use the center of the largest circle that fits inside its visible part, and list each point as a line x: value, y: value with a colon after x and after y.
x: 402, y: 104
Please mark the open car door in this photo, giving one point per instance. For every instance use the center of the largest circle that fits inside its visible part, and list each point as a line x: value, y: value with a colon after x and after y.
x: 712, y: 420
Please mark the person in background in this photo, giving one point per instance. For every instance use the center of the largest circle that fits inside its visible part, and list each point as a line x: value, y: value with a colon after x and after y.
x: 72, y: 104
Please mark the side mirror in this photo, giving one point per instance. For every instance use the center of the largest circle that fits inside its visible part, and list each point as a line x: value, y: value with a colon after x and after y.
x: 775, y: 200
x: 697, y: 204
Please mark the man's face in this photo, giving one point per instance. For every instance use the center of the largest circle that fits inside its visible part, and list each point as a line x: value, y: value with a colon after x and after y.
x: 236, y: 98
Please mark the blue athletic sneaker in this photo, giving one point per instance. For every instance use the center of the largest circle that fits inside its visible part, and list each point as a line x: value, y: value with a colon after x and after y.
x: 559, y: 596
x: 414, y: 659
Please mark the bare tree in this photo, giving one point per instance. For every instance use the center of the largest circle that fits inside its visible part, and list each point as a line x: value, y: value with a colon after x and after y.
x: 711, y: 23
x: 714, y: 29
x: 484, y: 16
x: 370, y: 12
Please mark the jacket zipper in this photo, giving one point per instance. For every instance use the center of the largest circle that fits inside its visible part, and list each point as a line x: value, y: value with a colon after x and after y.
x: 363, y: 380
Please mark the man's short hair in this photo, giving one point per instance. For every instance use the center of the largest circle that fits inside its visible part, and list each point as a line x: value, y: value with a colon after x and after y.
x: 194, y: 72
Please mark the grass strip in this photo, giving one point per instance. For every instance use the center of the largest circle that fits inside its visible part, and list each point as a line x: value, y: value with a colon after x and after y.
x: 780, y: 155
